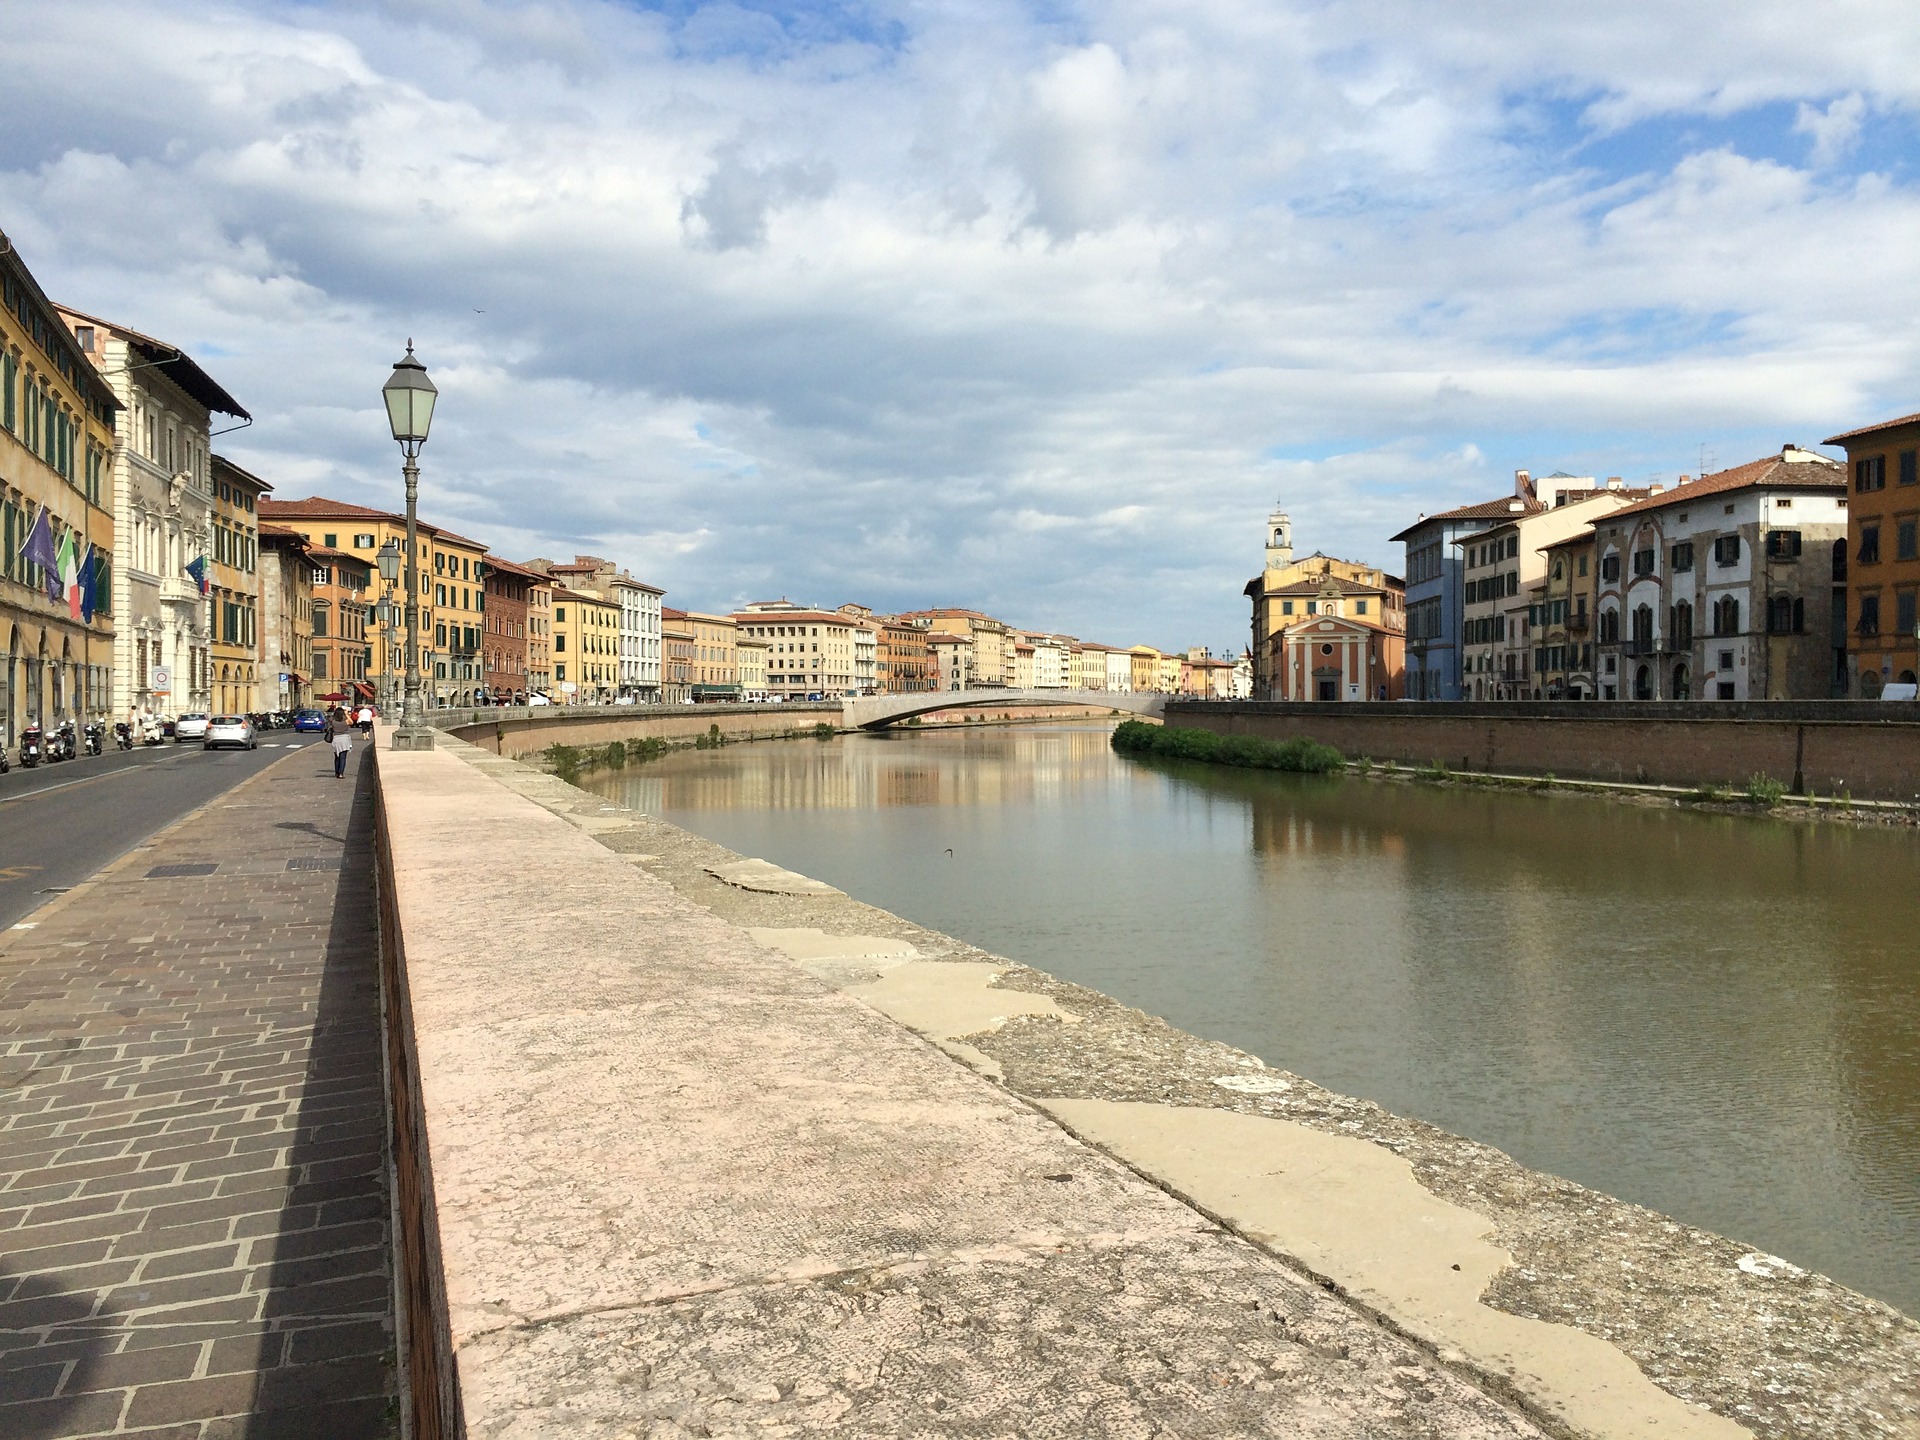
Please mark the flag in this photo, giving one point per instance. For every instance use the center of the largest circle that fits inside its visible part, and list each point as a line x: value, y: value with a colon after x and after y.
x: 197, y: 568
x: 70, y: 573
x: 89, y: 578
x: 39, y: 551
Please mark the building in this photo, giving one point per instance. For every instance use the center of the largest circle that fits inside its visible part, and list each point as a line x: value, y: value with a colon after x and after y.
x: 286, y: 620
x: 751, y: 658
x: 540, y: 639
x: 952, y: 660
x: 1288, y: 590
x: 162, y: 495
x: 1436, y: 592
x: 903, y: 663
x: 676, y: 663
x: 1561, y: 620
x: 1145, y: 671
x: 58, y: 419
x: 715, y: 673
x: 990, y: 658
x: 640, y: 644
x: 342, y: 652
x: 452, y: 574
x: 813, y: 651
x: 1883, y: 577
x: 506, y: 665
x: 586, y: 646
x: 1119, y: 669
x: 1723, y: 588
x: 235, y: 593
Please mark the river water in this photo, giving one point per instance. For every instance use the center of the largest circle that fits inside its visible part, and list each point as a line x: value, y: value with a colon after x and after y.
x: 1715, y: 1016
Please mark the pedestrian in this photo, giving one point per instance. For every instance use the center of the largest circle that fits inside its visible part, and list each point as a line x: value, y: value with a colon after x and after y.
x: 366, y: 719
x: 339, y: 735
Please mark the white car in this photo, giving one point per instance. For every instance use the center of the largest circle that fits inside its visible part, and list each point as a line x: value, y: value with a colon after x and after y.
x: 538, y: 699
x: 234, y: 730
x: 192, y: 726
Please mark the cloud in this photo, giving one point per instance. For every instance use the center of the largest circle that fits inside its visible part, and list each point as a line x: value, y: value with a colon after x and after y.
x: 1036, y: 310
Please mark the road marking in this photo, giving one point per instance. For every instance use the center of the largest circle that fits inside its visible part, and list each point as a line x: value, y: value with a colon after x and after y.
x: 18, y: 872
x: 28, y: 925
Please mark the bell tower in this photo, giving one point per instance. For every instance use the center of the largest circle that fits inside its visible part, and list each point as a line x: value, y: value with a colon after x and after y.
x: 1279, y: 540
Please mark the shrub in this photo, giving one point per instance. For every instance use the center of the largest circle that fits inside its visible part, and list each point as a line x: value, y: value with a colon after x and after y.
x: 1299, y: 755
x: 1764, y: 790
x: 913, y: 720
x: 1364, y: 764
x: 823, y: 731
x: 1708, y: 793
x: 1436, y: 771
x: 615, y: 755
x: 565, y: 761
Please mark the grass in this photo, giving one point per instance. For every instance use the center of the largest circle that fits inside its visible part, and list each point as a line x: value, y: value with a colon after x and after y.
x: 1765, y: 791
x: 1299, y: 755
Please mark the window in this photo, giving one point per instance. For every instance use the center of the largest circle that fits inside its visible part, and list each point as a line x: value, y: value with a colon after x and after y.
x: 1683, y: 557
x: 332, y: 542
x: 1726, y: 616
x: 1870, y: 474
x: 1906, y: 543
x: 1726, y: 659
x: 560, y: 644
x: 363, y: 542
x: 1643, y: 626
x: 1643, y: 562
x: 1783, y: 544
x: 1680, y: 624
x: 1909, y: 467
x: 1869, y: 552
x: 1609, y: 626
x: 1723, y: 690
x: 1610, y: 567
x: 1904, y: 615
x: 1359, y: 607
x: 1726, y: 550
x: 1869, y: 615
x: 1786, y: 615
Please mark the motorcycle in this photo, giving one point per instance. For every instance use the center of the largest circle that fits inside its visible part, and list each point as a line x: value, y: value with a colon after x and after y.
x: 95, y: 733
x: 5, y: 764
x: 60, y: 744
x: 32, y: 742
x: 152, y: 732
x: 122, y: 735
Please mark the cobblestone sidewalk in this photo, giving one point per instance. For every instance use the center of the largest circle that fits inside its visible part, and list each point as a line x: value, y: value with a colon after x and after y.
x: 193, y: 1191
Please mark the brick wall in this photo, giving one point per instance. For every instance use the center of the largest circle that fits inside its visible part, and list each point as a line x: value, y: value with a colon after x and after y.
x: 518, y: 732
x: 1871, y: 751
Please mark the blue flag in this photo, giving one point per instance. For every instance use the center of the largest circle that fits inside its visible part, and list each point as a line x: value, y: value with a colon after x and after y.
x: 40, y: 550
x: 89, y: 568
x: 197, y: 568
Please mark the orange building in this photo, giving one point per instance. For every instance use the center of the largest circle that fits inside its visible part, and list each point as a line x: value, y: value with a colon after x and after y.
x: 1882, y: 562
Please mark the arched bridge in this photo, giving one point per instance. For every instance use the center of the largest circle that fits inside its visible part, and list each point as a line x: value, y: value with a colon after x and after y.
x: 876, y: 712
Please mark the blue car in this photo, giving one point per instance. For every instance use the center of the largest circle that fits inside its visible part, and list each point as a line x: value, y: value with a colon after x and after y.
x: 311, y: 721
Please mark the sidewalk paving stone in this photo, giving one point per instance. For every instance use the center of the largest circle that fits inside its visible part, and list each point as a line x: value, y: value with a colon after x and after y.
x: 193, y: 1151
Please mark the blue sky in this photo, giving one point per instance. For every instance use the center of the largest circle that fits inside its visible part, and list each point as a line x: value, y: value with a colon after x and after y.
x: 1036, y: 308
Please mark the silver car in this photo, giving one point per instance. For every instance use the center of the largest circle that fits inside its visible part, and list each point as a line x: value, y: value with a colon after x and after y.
x: 191, y: 726
x: 234, y: 730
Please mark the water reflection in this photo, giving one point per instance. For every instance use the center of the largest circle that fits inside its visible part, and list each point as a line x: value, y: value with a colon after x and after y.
x: 1712, y: 1015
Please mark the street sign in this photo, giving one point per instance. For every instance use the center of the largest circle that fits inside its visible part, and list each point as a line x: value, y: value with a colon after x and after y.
x: 161, y: 679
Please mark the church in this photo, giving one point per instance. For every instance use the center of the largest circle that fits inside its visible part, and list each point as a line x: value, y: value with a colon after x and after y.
x: 1325, y: 629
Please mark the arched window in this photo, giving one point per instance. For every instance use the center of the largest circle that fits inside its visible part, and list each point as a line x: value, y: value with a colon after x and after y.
x: 1680, y: 624
x: 1609, y: 626
x: 1682, y: 682
x: 1726, y: 616
x: 1784, y: 614
x: 1840, y: 558
x: 1643, y: 625
x: 1643, y: 683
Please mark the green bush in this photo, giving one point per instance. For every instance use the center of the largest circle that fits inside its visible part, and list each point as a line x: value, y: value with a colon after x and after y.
x: 1300, y: 755
x: 823, y: 731
x: 565, y: 761
x: 1764, y: 790
x: 615, y: 755
x: 914, y: 720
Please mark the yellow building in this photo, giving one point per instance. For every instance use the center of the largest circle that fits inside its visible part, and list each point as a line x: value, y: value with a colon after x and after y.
x: 452, y: 599
x: 1287, y: 590
x: 57, y: 424
x: 235, y: 552
x: 586, y: 646
x: 716, y: 666
x: 286, y: 620
x: 1144, y: 662
x: 751, y: 666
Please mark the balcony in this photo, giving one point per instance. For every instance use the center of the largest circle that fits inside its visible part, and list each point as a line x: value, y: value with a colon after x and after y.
x: 1578, y: 624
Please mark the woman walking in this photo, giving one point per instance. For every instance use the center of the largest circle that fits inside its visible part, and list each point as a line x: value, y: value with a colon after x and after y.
x: 339, y: 736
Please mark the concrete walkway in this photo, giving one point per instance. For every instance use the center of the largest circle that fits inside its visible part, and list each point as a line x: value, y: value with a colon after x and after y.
x: 193, y: 1194
x: 685, y: 1188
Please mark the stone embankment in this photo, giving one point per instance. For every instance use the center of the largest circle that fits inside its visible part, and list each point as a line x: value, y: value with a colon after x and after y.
x: 1866, y: 750
x: 690, y: 1167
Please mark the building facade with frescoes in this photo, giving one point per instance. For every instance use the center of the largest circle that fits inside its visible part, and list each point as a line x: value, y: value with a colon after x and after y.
x: 57, y: 576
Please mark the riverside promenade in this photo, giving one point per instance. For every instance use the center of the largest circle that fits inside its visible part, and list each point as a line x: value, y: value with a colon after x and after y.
x: 194, y: 1209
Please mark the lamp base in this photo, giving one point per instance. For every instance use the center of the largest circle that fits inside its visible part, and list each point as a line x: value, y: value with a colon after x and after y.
x: 412, y: 737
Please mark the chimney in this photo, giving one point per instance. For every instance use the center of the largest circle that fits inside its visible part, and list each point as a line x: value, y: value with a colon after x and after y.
x: 1683, y: 480
x: 1656, y: 488
x: 1614, y: 482
x: 1517, y: 506
x: 1523, y: 486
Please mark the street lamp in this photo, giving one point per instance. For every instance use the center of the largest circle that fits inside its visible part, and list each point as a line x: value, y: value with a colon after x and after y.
x: 410, y: 395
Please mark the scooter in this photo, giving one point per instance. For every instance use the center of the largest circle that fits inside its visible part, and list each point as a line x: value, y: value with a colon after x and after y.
x: 152, y: 732
x: 122, y: 735
x: 5, y: 764
x: 95, y: 732
x: 60, y: 744
x: 32, y: 742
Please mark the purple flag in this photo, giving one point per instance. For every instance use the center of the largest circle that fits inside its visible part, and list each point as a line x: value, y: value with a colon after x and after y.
x: 40, y: 550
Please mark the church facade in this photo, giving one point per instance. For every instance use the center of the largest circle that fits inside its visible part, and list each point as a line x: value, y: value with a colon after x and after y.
x: 1325, y: 629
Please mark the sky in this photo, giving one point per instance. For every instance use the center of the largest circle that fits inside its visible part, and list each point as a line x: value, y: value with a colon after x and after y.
x: 1037, y: 309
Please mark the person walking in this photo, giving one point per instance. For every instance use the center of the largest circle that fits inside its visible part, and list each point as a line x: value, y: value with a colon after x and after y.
x: 339, y: 737
x: 366, y: 719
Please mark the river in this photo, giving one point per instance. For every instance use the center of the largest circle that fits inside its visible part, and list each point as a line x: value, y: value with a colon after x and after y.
x: 1716, y: 1016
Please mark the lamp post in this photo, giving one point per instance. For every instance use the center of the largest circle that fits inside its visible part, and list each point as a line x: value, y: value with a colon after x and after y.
x: 410, y: 395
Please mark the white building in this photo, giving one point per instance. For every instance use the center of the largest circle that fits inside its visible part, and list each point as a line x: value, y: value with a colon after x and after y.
x: 1723, y: 588
x: 866, y: 649
x: 1052, y: 663
x: 640, y: 645
x: 162, y: 515
x: 1119, y: 671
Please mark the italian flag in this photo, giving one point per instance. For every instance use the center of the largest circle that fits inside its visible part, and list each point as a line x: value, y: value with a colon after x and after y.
x: 70, y: 572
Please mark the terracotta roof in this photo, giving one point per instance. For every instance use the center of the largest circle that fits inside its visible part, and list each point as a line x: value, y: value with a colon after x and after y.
x: 1845, y: 436
x: 1501, y: 509
x: 327, y: 552
x: 508, y: 567
x: 667, y: 612
x: 318, y: 507
x: 783, y: 617
x: 1320, y: 586
x: 1769, y: 473
x: 280, y: 532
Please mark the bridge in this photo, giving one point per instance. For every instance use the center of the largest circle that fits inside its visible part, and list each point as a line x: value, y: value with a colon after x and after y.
x: 876, y: 712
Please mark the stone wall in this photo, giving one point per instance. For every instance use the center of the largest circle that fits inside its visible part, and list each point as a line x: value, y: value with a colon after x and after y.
x: 1868, y: 750
x: 518, y: 731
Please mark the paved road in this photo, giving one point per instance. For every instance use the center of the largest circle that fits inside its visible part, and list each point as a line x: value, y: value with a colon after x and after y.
x: 61, y: 823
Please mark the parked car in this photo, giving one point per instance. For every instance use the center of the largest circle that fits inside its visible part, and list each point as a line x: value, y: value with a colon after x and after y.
x: 538, y: 699
x: 191, y: 726
x: 234, y: 730
x: 310, y: 721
